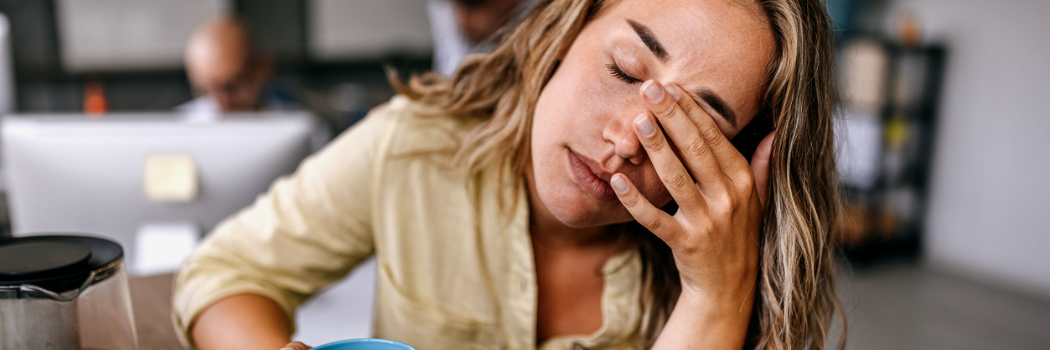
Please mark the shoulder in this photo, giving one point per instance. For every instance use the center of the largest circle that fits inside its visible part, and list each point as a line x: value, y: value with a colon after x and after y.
x: 419, y: 129
x: 402, y: 126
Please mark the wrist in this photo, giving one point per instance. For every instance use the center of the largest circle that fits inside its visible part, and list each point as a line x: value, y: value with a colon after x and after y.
x: 724, y: 305
x: 702, y: 321
x: 730, y: 296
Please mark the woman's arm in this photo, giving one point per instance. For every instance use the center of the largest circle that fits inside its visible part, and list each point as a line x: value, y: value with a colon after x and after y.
x: 241, y: 321
x: 714, y: 234
x: 699, y: 323
x: 308, y: 230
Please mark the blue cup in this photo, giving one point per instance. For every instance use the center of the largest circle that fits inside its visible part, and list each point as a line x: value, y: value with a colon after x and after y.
x: 364, y: 344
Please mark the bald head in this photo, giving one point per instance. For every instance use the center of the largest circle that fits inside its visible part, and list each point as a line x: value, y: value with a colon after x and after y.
x: 222, y: 63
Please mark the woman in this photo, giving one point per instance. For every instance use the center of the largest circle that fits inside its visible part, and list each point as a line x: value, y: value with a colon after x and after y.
x: 576, y: 188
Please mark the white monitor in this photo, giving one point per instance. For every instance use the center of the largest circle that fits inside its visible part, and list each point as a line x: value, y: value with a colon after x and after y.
x: 83, y: 174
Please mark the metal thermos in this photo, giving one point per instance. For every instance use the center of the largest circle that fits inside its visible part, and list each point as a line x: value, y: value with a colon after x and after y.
x: 64, y: 292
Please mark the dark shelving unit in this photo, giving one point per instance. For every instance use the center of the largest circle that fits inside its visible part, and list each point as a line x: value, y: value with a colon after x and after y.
x: 885, y: 219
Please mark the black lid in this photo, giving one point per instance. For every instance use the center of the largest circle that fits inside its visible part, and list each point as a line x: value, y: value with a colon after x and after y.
x: 56, y: 263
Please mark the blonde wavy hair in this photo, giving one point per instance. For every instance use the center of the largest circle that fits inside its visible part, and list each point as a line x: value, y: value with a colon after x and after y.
x: 795, y: 295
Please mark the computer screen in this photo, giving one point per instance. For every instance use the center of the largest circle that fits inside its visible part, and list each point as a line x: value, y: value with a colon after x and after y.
x: 113, y: 175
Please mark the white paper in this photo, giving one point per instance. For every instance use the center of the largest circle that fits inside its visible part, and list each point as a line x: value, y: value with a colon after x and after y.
x: 170, y: 178
x: 161, y: 247
x: 864, y: 76
x: 859, y: 138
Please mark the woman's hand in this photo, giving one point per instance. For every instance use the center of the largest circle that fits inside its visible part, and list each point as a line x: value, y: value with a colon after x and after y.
x: 721, y: 200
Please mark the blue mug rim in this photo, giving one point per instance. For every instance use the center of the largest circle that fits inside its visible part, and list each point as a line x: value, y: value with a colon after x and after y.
x: 335, y: 345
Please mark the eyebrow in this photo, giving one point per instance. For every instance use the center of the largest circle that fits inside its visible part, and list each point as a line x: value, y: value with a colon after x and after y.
x: 705, y: 94
x: 649, y: 39
x: 718, y: 105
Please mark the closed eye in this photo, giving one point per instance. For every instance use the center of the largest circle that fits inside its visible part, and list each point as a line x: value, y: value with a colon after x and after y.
x: 619, y: 74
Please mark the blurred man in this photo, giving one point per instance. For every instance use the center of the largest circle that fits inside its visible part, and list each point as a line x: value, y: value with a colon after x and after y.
x: 463, y: 27
x: 229, y: 74
x: 226, y: 70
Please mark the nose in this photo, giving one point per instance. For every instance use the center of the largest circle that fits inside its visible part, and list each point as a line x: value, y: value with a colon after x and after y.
x: 620, y: 132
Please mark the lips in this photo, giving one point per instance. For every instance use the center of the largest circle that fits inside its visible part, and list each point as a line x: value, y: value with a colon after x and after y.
x: 591, y: 178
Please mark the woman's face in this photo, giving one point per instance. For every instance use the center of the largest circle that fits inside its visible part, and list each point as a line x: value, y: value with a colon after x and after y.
x: 582, y: 133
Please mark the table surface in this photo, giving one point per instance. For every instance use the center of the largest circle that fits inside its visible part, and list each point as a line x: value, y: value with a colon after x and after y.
x: 151, y: 304
x: 342, y: 311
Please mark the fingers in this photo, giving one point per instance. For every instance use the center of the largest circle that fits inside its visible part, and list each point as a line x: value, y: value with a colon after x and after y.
x: 760, y: 166
x: 669, y: 168
x: 296, y: 346
x: 640, y: 208
x: 683, y: 132
x: 729, y: 159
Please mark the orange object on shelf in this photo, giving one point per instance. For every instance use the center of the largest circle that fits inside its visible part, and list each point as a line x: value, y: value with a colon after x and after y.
x: 910, y: 31
x: 95, y: 97
x: 859, y: 224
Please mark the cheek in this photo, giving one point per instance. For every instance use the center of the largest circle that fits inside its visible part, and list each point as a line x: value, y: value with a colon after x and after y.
x: 648, y: 183
x: 572, y: 109
x: 574, y: 97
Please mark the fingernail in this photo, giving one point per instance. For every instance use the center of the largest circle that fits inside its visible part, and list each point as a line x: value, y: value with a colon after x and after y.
x: 618, y: 184
x: 673, y: 91
x: 645, y: 125
x: 653, y: 91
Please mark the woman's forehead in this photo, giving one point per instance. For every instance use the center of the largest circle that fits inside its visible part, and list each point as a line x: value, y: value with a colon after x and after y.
x: 720, y: 45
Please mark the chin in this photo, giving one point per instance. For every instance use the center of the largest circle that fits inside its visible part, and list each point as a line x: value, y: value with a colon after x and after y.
x: 577, y: 210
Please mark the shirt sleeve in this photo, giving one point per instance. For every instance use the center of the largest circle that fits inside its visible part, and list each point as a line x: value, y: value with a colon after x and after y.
x: 310, y: 229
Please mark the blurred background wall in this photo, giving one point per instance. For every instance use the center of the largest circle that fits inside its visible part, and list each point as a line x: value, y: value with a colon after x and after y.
x: 989, y: 189
x: 984, y: 202
x: 987, y: 193
x: 135, y: 48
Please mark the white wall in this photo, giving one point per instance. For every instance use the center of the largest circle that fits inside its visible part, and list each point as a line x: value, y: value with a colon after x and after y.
x: 990, y: 197
x: 121, y: 35
x: 367, y: 29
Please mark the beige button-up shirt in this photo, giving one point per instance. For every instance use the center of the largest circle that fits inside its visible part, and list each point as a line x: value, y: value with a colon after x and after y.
x: 455, y: 267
